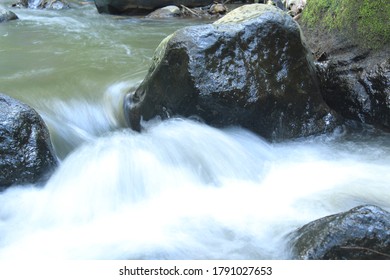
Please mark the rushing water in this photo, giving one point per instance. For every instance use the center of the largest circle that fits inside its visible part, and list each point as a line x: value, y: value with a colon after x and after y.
x: 179, y: 190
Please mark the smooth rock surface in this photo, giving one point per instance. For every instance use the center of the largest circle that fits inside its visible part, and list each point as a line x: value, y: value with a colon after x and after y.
x: 250, y: 68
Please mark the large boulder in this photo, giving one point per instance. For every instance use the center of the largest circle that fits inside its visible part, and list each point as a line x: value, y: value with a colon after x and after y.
x: 134, y: 7
x: 357, y: 89
x: 26, y: 152
x: 353, y: 58
x: 361, y: 233
x: 250, y: 68
x: 6, y: 15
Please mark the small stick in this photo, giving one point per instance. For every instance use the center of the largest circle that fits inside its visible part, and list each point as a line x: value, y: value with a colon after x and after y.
x: 189, y: 10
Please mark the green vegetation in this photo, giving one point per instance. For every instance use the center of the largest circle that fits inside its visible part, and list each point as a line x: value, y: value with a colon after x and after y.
x: 367, y: 21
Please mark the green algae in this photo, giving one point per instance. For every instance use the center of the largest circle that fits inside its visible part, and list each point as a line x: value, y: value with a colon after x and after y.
x: 365, y: 21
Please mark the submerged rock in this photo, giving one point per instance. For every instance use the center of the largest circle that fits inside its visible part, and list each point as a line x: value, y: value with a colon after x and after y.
x: 134, y: 7
x: 361, y: 233
x: 26, y: 152
x: 6, y: 15
x: 250, y: 68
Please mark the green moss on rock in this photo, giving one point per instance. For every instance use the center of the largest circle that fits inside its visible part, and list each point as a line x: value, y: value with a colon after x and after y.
x: 364, y: 20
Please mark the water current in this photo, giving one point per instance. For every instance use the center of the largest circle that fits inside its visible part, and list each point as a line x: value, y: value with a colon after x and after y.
x: 180, y: 189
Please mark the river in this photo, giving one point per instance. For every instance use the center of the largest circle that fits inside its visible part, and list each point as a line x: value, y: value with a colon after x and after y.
x: 180, y: 189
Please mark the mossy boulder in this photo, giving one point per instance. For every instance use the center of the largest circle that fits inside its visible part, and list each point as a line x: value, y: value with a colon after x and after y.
x: 351, y: 40
x: 251, y: 69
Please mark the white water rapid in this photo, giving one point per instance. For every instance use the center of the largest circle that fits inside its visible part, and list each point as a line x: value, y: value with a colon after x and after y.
x: 184, y: 190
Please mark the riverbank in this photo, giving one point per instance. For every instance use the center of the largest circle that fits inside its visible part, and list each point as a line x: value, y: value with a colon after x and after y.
x: 354, y: 77
x: 350, y: 41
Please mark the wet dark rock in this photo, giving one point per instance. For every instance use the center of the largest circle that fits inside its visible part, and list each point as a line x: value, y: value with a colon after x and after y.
x: 376, y: 82
x: 355, y: 81
x: 6, y: 15
x: 26, y: 152
x: 361, y: 233
x: 142, y: 7
x: 356, y: 92
x: 250, y: 69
